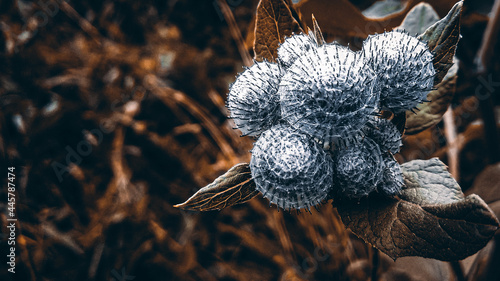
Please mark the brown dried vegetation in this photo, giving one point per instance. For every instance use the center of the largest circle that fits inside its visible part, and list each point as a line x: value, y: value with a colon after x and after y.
x: 152, y: 77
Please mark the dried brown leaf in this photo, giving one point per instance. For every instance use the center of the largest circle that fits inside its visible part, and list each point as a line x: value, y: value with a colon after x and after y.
x: 274, y: 22
x: 236, y: 186
x: 442, y: 38
x: 417, y: 269
x: 432, y: 219
x: 487, y: 184
x: 431, y: 113
x: 341, y: 20
x: 400, y: 228
x: 337, y: 18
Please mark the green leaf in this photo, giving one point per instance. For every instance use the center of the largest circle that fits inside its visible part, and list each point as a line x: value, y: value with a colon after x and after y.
x: 418, y: 19
x: 236, y: 186
x: 431, y: 218
x: 274, y: 22
x: 431, y: 113
x: 382, y: 9
x: 429, y: 182
x: 442, y: 38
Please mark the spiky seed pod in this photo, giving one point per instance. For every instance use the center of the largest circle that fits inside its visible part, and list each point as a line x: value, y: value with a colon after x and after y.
x: 385, y: 134
x: 327, y: 93
x: 359, y: 169
x: 404, y: 68
x: 252, y: 101
x: 290, y: 169
x: 392, y: 181
x: 294, y: 47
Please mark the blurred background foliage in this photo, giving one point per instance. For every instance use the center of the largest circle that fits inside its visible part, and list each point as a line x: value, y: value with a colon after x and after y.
x: 114, y: 111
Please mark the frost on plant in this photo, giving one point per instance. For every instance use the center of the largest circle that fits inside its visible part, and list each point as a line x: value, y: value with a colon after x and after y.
x: 294, y: 47
x: 327, y: 93
x: 326, y: 99
x: 359, y: 169
x: 317, y: 108
x: 392, y: 177
x: 290, y: 169
x: 404, y: 68
x: 385, y: 133
x: 252, y: 98
x: 318, y: 114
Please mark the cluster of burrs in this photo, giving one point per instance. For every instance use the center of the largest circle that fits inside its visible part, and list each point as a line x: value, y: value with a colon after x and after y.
x: 316, y: 113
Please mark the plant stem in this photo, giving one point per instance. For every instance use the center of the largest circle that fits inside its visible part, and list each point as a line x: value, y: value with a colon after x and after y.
x: 235, y: 32
x: 492, y: 270
x: 450, y: 133
x: 375, y: 263
x: 457, y: 269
